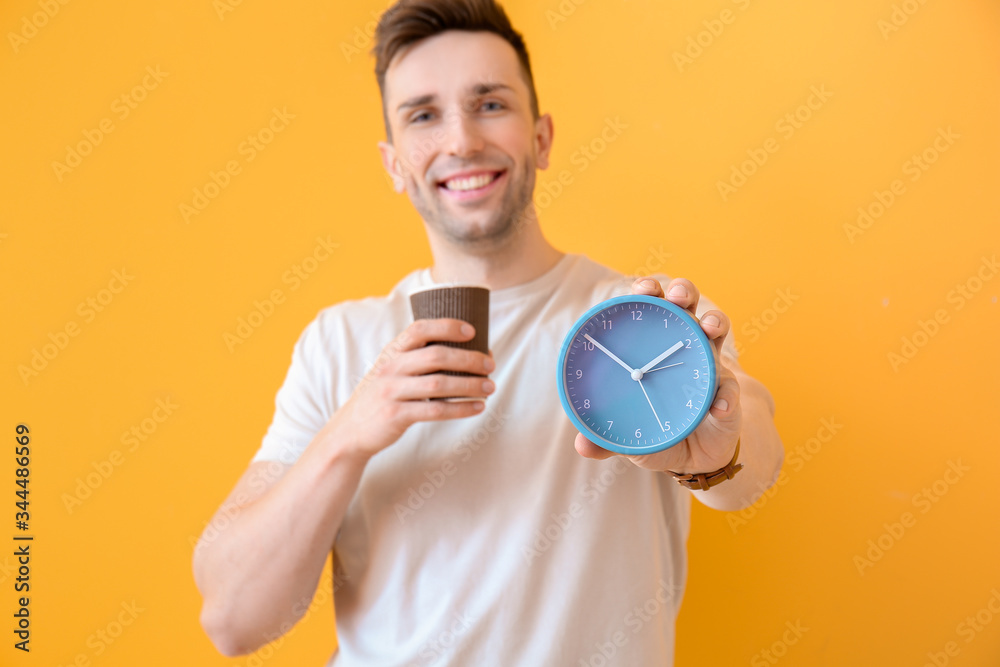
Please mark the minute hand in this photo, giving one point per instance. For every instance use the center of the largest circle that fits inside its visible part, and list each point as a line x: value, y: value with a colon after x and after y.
x: 673, y: 348
x: 609, y: 353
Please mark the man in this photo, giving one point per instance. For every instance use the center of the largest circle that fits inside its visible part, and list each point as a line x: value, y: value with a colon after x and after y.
x: 484, y: 532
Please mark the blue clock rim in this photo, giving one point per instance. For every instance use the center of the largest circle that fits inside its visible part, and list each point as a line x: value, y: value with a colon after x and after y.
x: 564, y: 354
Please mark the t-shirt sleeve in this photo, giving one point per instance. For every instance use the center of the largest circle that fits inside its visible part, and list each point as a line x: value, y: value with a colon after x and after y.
x: 301, y: 404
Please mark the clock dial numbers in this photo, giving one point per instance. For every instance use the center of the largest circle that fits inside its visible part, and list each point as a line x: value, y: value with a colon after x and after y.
x: 644, y: 412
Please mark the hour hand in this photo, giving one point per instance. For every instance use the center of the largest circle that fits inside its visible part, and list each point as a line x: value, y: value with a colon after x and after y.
x: 609, y: 353
x: 666, y: 353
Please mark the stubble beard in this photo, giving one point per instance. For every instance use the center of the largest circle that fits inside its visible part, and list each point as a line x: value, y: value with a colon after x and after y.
x: 500, y: 227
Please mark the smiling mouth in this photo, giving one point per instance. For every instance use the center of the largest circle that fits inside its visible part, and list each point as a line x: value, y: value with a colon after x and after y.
x: 470, y: 183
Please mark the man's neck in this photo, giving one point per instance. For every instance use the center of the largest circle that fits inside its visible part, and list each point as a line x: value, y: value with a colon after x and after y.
x: 526, y: 258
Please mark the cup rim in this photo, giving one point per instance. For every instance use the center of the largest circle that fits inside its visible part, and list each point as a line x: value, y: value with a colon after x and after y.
x: 447, y: 286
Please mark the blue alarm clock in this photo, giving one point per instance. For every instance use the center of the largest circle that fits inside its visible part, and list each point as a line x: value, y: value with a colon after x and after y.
x: 636, y: 374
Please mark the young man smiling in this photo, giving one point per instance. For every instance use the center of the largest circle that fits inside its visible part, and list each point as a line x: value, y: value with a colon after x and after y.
x: 526, y: 547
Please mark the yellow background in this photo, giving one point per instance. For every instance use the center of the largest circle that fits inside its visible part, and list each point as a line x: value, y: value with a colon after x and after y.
x: 653, y: 191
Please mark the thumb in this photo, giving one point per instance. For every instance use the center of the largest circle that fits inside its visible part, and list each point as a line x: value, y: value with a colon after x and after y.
x: 589, y: 450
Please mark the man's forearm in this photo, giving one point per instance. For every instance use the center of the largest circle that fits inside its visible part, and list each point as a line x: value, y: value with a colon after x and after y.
x: 761, y: 451
x: 259, y: 573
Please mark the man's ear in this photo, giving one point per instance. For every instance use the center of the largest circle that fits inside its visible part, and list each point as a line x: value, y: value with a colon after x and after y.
x: 544, y: 132
x: 391, y: 164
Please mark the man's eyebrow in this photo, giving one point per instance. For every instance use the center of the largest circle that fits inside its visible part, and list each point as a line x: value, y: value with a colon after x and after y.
x: 487, y: 88
x: 477, y: 90
x: 416, y: 102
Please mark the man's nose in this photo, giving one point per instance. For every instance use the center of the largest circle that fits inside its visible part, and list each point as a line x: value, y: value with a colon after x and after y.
x: 463, y: 136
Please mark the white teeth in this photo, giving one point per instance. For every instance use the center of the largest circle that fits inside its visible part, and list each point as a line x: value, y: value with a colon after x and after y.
x: 472, y: 183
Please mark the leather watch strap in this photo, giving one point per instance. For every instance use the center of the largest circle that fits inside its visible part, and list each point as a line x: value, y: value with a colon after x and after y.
x: 703, y: 481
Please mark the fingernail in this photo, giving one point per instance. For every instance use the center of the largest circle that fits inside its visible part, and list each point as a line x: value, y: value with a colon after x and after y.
x: 711, y: 320
x: 647, y: 283
x: 467, y: 330
x: 721, y: 404
x: 489, y: 364
x: 678, y: 291
x: 478, y: 406
x: 488, y: 386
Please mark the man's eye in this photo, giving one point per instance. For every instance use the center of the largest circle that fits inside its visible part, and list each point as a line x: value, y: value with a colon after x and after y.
x: 420, y: 117
x: 493, y: 105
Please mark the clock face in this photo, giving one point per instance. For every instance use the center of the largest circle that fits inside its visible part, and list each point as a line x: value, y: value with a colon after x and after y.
x: 636, y: 374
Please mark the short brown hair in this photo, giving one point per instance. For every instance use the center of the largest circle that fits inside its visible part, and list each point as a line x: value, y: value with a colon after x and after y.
x: 409, y: 21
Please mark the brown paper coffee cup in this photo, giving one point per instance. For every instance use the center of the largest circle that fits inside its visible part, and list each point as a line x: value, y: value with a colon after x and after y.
x: 469, y: 303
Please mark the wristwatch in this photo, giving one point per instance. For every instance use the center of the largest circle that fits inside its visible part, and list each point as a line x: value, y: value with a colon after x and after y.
x: 703, y: 481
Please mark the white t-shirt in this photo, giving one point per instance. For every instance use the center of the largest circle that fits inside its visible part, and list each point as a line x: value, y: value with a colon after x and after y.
x: 488, y: 540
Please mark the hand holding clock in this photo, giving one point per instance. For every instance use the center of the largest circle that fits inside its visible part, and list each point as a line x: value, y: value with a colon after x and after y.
x: 711, y: 445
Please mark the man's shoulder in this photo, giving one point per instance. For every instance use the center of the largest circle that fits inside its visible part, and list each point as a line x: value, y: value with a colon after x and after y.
x: 608, y: 282
x: 374, y: 305
x: 364, y: 319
